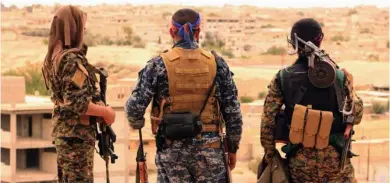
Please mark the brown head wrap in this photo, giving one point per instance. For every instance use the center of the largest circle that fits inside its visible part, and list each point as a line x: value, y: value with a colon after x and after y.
x: 66, y: 35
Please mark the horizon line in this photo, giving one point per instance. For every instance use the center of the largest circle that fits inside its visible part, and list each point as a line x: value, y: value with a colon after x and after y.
x: 22, y: 4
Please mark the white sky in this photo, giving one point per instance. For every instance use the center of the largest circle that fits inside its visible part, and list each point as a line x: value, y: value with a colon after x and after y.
x: 260, y: 3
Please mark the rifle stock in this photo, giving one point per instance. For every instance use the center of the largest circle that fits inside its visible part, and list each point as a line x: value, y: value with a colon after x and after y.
x: 142, y: 170
x: 226, y: 158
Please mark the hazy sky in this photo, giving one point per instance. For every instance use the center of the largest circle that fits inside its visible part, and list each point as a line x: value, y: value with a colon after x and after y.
x: 263, y: 3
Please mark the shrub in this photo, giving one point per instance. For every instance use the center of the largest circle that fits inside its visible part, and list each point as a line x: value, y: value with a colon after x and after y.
x: 365, y: 31
x: 137, y: 39
x: 262, y: 95
x: 247, y: 47
x: 266, y: 26
x: 139, y: 45
x: 322, y: 24
x: 90, y: 39
x: 352, y: 11
x: 212, y: 14
x: 45, y: 41
x: 274, y: 50
x: 127, y: 42
x: 373, y: 57
x: 107, y: 41
x: 300, y: 13
x: 228, y: 53
x: 166, y: 14
x: 339, y: 38
x: 246, y: 99
x: 128, y: 32
x: 380, y: 107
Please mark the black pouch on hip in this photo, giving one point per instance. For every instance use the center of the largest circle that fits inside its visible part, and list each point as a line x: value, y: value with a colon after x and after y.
x: 182, y: 125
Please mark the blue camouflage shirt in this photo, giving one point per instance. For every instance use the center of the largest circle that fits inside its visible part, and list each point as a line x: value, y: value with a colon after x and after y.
x: 153, y: 84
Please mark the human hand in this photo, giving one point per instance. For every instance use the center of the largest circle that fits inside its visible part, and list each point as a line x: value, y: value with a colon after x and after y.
x: 109, y: 115
x: 232, y: 160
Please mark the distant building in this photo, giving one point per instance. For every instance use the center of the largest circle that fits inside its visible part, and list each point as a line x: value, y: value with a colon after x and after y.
x: 27, y: 152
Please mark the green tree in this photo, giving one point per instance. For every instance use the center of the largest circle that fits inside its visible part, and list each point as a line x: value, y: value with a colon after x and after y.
x: 33, y: 77
x: 262, y: 95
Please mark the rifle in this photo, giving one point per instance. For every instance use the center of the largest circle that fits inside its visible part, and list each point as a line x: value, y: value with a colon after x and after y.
x: 322, y: 71
x: 349, y: 117
x: 107, y: 136
x: 142, y: 174
x: 226, y: 158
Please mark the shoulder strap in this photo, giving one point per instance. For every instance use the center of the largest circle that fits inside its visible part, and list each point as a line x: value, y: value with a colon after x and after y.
x: 298, y: 95
x: 338, y: 86
x: 214, y: 80
x: 281, y: 78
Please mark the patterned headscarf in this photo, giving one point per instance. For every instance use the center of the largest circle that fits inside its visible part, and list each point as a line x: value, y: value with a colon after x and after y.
x: 186, y: 31
x: 66, y: 35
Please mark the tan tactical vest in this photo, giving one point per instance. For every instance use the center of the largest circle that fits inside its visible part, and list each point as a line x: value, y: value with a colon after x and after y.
x: 190, y: 75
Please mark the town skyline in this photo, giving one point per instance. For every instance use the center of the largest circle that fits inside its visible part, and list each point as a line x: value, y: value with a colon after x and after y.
x: 275, y: 3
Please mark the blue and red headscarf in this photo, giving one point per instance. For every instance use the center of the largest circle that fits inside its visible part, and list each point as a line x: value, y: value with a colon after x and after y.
x: 189, y: 32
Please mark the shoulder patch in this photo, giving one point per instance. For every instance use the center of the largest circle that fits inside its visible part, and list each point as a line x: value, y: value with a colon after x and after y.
x: 79, y: 78
x: 80, y: 75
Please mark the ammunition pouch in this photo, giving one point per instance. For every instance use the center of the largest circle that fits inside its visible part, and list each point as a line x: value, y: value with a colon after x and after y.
x: 183, y: 125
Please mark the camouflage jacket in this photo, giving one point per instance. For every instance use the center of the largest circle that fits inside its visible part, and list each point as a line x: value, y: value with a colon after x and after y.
x: 72, y: 90
x: 274, y: 102
x: 154, y: 76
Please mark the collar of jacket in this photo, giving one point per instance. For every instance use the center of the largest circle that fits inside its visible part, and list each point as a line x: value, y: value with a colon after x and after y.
x: 185, y: 45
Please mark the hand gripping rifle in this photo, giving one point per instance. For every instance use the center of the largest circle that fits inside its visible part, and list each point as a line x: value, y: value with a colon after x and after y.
x: 142, y: 174
x: 107, y: 136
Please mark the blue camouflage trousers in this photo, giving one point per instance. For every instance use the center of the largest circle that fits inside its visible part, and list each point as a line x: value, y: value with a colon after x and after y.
x: 190, y: 164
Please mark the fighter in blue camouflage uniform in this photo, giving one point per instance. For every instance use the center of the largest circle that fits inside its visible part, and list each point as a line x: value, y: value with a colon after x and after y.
x: 184, y: 160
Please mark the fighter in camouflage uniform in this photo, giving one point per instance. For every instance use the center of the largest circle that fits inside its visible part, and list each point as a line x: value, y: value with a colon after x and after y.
x: 75, y: 95
x: 310, y: 164
x: 196, y: 159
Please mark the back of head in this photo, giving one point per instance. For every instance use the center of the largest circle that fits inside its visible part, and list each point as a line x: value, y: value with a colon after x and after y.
x: 307, y: 29
x: 186, y: 25
x: 185, y: 15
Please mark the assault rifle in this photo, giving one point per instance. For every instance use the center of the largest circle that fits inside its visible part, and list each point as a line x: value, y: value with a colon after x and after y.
x: 310, y: 50
x: 142, y: 174
x: 322, y: 69
x: 226, y: 158
x: 107, y: 136
x: 348, y: 117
